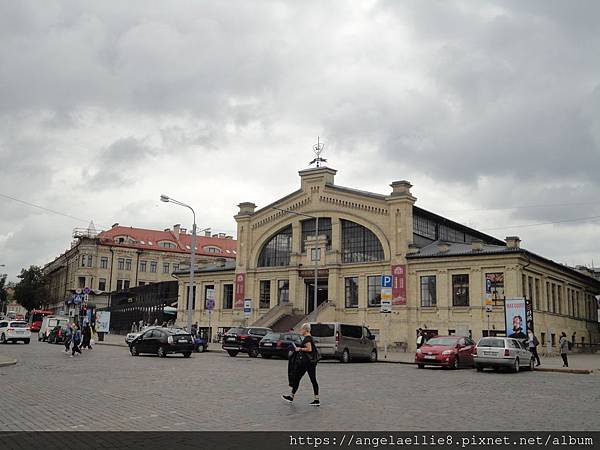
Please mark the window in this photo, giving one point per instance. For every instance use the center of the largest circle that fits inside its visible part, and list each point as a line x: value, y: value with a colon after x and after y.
x: 121, y: 263
x: 122, y: 285
x: 142, y: 283
x: 524, y: 285
x: 308, y: 229
x: 143, y: 266
x: 359, y: 244
x: 559, y: 310
x: 283, y: 291
x: 83, y: 260
x: 166, y: 267
x: 212, y: 249
x: 530, y: 288
x: 90, y: 261
x: 548, y: 303
x: 553, y: 298
x: 460, y: 290
x: 352, y: 331
x: 126, y: 284
x: 104, y: 262
x: 81, y: 282
x: 428, y: 291
x: 102, y: 284
x: 153, y: 265
x: 537, y: 303
x: 167, y: 244
x: 175, y: 267
x: 209, y: 294
x: 495, y: 285
x: 265, y: 294
x: 128, y: 264
x: 374, y: 291
x: 277, y: 251
x: 228, y: 296
x: 193, y: 297
x: 351, y: 292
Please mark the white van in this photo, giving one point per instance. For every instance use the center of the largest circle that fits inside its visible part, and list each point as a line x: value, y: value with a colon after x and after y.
x: 344, y: 341
x: 48, y: 324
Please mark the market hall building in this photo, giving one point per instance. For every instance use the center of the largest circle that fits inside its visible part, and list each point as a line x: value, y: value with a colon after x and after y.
x: 441, y: 270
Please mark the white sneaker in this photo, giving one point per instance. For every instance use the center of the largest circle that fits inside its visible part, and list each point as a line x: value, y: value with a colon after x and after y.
x: 71, y: 356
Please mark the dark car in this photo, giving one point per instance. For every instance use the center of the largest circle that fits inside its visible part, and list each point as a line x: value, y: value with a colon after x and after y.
x: 56, y: 335
x: 244, y: 340
x: 279, y: 344
x: 162, y: 341
x: 446, y: 351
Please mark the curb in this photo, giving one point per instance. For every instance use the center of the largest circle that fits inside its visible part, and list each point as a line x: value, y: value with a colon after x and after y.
x: 564, y: 370
x: 10, y: 362
x: 389, y: 361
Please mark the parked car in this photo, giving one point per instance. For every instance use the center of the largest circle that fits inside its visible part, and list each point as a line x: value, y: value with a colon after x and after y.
x: 48, y: 323
x: 162, y: 341
x: 446, y: 351
x: 14, y: 331
x: 244, y: 340
x: 200, y: 344
x: 344, y: 341
x: 279, y: 344
x: 502, y: 352
x: 56, y: 335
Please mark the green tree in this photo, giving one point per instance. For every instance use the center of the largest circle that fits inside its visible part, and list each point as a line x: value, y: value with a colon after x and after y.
x: 31, y: 292
x: 3, y: 293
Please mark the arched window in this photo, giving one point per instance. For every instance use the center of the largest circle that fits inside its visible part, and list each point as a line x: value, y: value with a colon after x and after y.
x: 277, y: 251
x: 167, y: 244
x: 359, y: 244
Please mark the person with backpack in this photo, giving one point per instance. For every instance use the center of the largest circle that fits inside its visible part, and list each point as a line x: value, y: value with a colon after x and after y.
x: 303, y: 361
x: 533, y: 344
x: 76, y: 341
x: 564, y: 348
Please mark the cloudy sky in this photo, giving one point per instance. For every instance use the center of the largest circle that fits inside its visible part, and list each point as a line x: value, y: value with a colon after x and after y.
x: 490, y: 109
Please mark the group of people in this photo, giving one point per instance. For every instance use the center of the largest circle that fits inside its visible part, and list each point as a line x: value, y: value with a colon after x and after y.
x: 141, y: 325
x: 78, y: 337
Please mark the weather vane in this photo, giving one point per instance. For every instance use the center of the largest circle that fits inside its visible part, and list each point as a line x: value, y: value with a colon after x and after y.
x: 318, y: 149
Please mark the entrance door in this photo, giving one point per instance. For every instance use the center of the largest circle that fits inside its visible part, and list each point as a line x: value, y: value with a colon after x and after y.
x: 322, y: 294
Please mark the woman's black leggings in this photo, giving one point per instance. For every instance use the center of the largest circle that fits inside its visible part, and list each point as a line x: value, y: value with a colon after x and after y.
x: 312, y: 374
x: 565, y: 360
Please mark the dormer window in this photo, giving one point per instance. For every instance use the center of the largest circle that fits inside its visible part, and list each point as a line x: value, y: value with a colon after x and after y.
x: 167, y: 244
x: 212, y: 249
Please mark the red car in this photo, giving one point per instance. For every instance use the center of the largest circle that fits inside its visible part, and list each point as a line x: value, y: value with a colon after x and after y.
x: 446, y: 351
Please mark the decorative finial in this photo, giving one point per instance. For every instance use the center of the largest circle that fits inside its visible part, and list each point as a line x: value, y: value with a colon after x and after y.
x: 318, y: 149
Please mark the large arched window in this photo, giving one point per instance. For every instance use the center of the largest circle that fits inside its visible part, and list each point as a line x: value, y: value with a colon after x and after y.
x: 359, y: 244
x: 277, y: 251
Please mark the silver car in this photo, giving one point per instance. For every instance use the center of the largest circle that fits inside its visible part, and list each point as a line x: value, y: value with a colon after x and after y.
x: 502, y: 352
x: 344, y: 341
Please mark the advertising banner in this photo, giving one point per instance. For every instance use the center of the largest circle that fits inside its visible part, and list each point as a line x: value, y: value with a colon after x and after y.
x: 240, y: 290
x: 515, y: 315
x: 102, y: 321
x: 399, y: 285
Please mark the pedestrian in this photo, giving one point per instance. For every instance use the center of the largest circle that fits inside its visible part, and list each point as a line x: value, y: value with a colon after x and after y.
x: 68, y: 336
x: 133, y: 327
x: 304, y: 359
x: 76, y: 340
x: 533, y: 344
x: 87, y: 336
x: 195, y: 329
x: 420, y: 338
x: 564, y: 348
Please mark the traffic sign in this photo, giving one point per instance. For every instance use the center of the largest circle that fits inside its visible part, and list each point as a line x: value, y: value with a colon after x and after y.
x: 247, y: 307
x: 87, y: 290
x: 386, y: 281
x: 210, y: 304
x: 489, y: 308
x: 386, y: 299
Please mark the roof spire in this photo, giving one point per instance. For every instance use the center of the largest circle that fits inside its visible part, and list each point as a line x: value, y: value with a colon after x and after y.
x: 318, y: 149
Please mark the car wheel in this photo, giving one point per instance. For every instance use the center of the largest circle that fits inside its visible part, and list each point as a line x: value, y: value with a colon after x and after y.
x: 232, y: 353
x: 134, y: 351
x: 253, y: 352
x: 373, y: 357
x: 39, y: 339
x: 162, y: 352
x: 421, y: 366
x: 26, y: 341
x: 515, y: 367
x: 266, y: 356
x: 187, y: 354
x: 3, y: 338
x: 200, y: 349
x: 455, y: 363
x: 345, y: 356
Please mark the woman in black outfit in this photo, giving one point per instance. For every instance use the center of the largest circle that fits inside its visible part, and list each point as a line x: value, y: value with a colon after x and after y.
x: 304, y: 361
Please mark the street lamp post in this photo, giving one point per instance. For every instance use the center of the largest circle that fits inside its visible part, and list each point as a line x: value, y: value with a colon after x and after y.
x: 317, y: 250
x: 167, y: 199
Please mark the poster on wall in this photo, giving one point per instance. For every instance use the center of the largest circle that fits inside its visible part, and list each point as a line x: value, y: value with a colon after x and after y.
x: 494, y: 285
x: 102, y: 321
x: 399, y: 285
x: 515, y: 316
x: 240, y: 283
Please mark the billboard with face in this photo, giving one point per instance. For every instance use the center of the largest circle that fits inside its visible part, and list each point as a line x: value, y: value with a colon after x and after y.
x: 515, y: 315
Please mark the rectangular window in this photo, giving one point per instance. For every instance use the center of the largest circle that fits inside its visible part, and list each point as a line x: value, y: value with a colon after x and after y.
x: 374, y: 291
x: 530, y: 289
x: 495, y: 285
x: 548, y: 303
x: 428, y: 291
x: 351, y: 286
x: 553, y: 297
x: 165, y: 267
x: 265, y: 294
x: 142, y: 283
x: 153, y: 266
x: 308, y: 229
x: 460, y: 290
x: 81, y: 282
x: 228, y: 296
x: 188, y: 297
x: 143, y: 266
x: 121, y: 263
x: 283, y: 291
x: 209, y: 294
x: 128, y: 264
x: 90, y: 261
x: 175, y: 267
x: 104, y: 262
x: 121, y: 285
x: 560, y: 308
x: 538, y: 300
x: 125, y: 284
x: 102, y: 284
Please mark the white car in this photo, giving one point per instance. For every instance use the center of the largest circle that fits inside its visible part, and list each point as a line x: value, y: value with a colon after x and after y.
x: 48, y: 324
x: 14, y: 330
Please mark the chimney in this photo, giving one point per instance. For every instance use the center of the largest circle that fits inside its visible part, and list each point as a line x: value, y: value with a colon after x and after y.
x: 207, y: 233
x: 228, y: 237
x: 513, y: 242
x: 167, y: 229
x: 221, y: 235
x: 246, y: 208
x: 443, y: 247
x: 115, y: 225
x: 400, y: 188
x: 177, y: 229
x: 477, y: 245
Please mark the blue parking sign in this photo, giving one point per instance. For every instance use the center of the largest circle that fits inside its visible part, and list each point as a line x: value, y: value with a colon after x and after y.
x: 386, y: 281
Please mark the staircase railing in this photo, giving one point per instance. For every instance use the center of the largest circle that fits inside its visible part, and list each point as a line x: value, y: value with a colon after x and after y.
x: 312, y: 317
x: 273, y: 315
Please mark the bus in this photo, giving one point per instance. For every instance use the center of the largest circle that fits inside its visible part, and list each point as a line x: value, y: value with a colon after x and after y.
x: 35, y: 318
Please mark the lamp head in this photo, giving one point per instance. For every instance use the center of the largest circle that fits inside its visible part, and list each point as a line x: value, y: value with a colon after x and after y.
x: 164, y: 198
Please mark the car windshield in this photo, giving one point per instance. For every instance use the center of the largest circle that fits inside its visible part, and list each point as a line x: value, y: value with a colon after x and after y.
x: 442, y: 341
x: 491, y: 342
x: 322, y: 329
x: 18, y: 324
x: 292, y: 337
x: 273, y: 336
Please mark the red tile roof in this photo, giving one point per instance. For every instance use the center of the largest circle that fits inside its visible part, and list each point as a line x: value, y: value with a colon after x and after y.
x: 145, y: 239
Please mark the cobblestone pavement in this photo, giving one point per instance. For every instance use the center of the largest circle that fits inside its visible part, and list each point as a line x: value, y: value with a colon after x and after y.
x: 107, y: 389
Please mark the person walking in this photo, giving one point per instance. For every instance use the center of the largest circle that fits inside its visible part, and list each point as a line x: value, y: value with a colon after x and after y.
x: 420, y: 338
x: 305, y: 359
x: 68, y: 337
x: 564, y: 348
x: 533, y: 344
x: 76, y: 340
x: 87, y: 336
